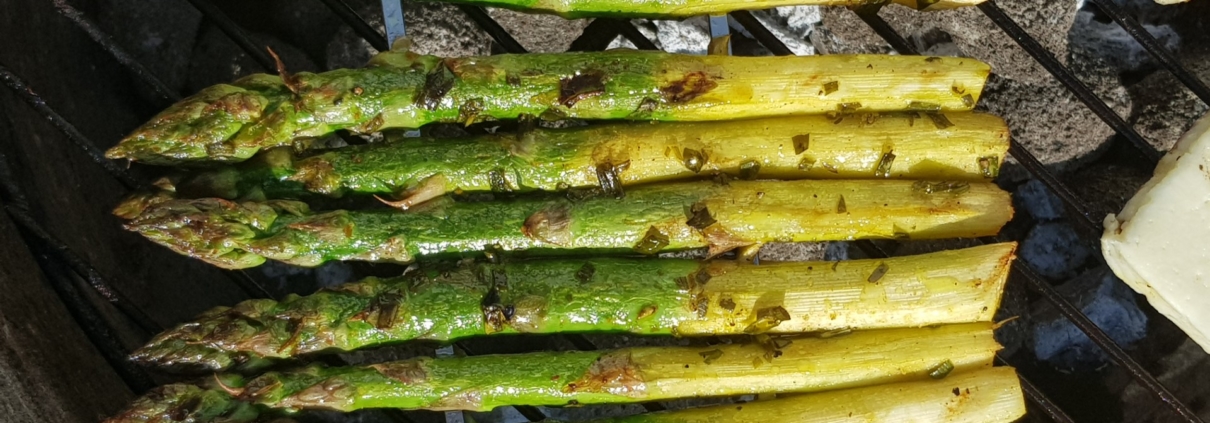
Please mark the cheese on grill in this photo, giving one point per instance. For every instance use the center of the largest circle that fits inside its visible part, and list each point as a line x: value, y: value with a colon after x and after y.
x: 1160, y: 242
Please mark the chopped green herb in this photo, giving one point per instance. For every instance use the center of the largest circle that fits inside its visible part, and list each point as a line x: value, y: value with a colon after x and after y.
x: 693, y: 159
x: 830, y: 87
x: 586, y: 272
x: 883, y: 169
x: 879, y: 272
x: 709, y: 356
x: 653, y: 241
x: 749, y: 169
x: 840, y: 207
x: 940, y: 120
x: 801, y: 143
x: 940, y: 371
x: 989, y: 166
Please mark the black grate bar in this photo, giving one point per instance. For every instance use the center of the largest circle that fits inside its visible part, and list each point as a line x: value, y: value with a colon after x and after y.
x: 1153, y: 47
x: 100, y: 37
x: 81, y: 267
x: 1098, y: 337
x: 884, y: 30
x: 761, y: 33
x: 1023, y: 156
x: 631, y: 33
x: 493, y: 28
x: 93, y: 325
x: 1035, y: 395
x: 236, y: 34
x: 1147, y: 153
x: 1070, y: 199
x: 357, y: 23
x: 34, y: 100
x: 596, y: 36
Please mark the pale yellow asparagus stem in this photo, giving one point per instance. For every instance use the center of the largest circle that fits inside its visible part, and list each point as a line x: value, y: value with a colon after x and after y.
x: 686, y: 8
x: 982, y: 396
x: 946, y: 287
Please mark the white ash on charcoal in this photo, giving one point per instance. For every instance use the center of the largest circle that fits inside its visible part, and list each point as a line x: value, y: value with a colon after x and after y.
x: 1034, y: 198
x: 1055, y: 250
x: 1108, y: 302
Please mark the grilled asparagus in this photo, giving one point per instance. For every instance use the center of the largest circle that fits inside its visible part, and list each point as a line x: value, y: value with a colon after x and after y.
x: 410, y: 171
x: 658, y: 296
x: 984, y: 396
x: 574, y: 9
x: 774, y: 365
x: 401, y: 89
x: 721, y: 216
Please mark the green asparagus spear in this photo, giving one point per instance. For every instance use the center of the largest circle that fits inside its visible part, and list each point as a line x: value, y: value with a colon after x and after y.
x: 650, y: 219
x: 401, y: 89
x: 574, y: 9
x: 984, y: 396
x: 411, y: 171
x: 656, y: 296
x: 774, y: 365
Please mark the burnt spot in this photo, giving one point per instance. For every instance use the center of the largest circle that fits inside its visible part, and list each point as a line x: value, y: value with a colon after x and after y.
x: 689, y: 87
x: 609, y: 176
x: 471, y: 111
x: 437, y: 84
x: 185, y: 410
x: 645, y: 108
x: 494, y: 253
x: 409, y: 372
x: 727, y: 303
x: 648, y: 311
x: 583, y: 85
x: 498, y: 182
x: 550, y: 225
x: 652, y: 242
x: 369, y: 126
x: 614, y: 373
x: 930, y: 59
x: 585, y: 273
x: 387, y: 306
x: 513, y: 80
x: 495, y: 314
x: 801, y: 143
x: 699, y: 216
x: 693, y: 159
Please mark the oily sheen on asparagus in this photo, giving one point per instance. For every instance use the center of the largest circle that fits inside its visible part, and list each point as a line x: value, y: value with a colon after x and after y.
x: 409, y: 171
x: 401, y: 89
x: 629, y: 375
x: 642, y: 296
x: 991, y: 395
x: 721, y: 215
x: 574, y: 9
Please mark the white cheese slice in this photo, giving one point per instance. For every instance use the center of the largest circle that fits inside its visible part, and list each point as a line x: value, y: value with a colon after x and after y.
x: 1160, y: 243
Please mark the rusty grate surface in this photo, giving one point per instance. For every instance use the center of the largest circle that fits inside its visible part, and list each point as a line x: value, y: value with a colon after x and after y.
x: 596, y: 36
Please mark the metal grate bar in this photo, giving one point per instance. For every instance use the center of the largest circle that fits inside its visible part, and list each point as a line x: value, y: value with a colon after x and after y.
x: 236, y: 34
x: 493, y: 28
x: 761, y: 33
x: 884, y: 30
x: 1035, y: 395
x: 357, y: 23
x: 100, y: 37
x: 1099, y: 337
x: 1073, y: 202
x: 1153, y: 47
x: 602, y: 31
x: 18, y: 86
x: 1146, y: 152
x: 1023, y: 156
x: 93, y: 325
x: 392, y: 19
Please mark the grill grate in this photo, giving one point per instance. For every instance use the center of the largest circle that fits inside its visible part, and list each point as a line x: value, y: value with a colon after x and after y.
x: 596, y: 36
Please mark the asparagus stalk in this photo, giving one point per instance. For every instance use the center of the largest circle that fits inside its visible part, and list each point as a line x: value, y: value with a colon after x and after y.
x: 777, y: 365
x: 815, y: 147
x: 721, y: 216
x: 982, y: 396
x: 575, y: 9
x: 990, y: 395
x: 659, y: 296
x: 401, y: 89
